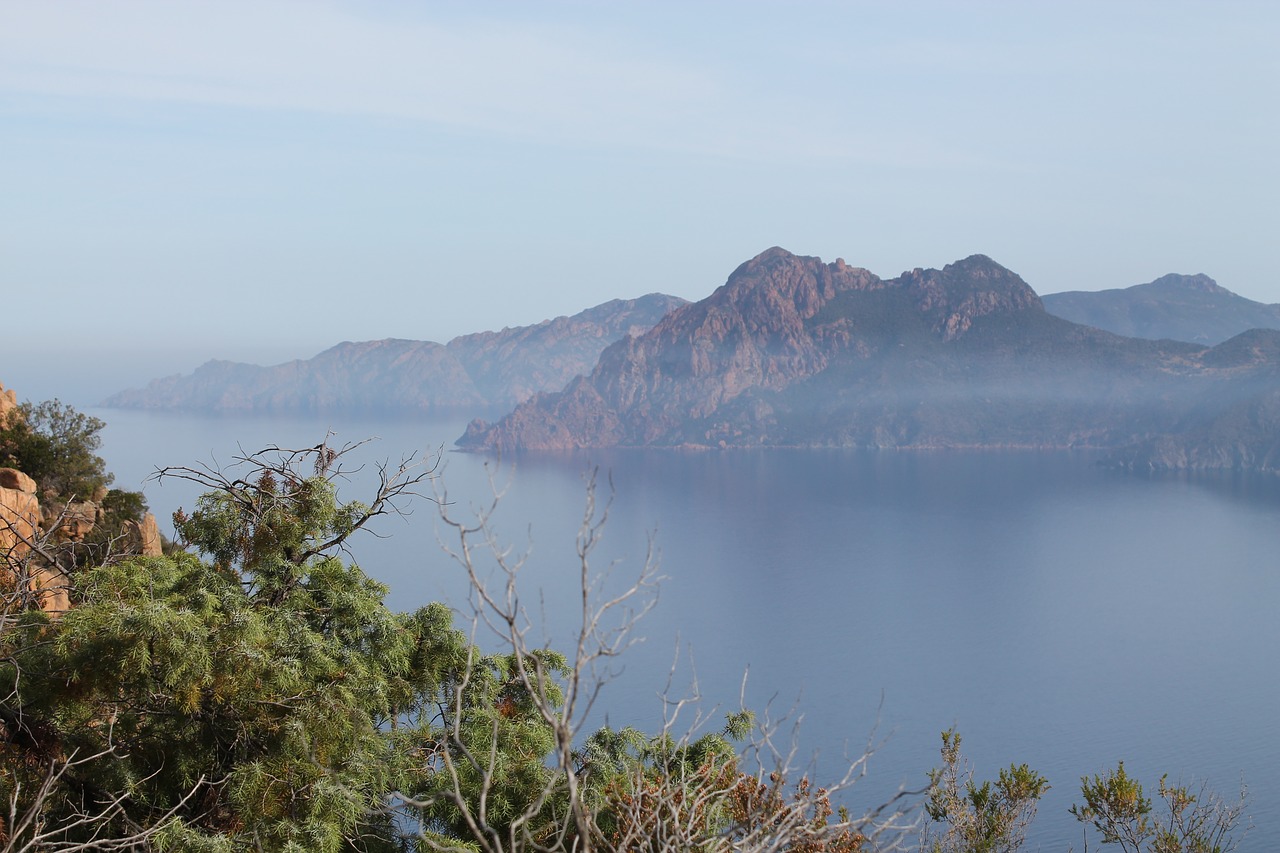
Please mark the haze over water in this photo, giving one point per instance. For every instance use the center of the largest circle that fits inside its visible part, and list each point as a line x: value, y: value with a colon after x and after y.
x: 1057, y: 613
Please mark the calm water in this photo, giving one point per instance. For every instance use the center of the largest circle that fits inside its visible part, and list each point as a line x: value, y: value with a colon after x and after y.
x: 1057, y: 613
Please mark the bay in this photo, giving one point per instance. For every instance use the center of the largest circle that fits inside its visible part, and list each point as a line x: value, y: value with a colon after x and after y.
x: 1055, y: 612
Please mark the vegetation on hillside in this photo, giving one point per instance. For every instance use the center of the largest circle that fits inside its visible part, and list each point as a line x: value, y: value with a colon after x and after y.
x: 57, y: 446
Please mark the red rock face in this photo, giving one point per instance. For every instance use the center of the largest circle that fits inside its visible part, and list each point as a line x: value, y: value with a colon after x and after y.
x: 19, y: 511
x: 28, y: 576
x: 21, y: 572
x: 143, y: 537
x: 8, y: 402
x: 961, y: 292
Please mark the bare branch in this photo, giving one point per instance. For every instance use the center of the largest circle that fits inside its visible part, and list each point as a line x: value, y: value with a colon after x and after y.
x: 679, y: 791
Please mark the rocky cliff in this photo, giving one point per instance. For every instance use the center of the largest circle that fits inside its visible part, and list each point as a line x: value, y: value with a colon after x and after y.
x: 1181, y: 307
x: 791, y: 351
x: 477, y: 372
x: 8, y: 403
x: 20, y: 519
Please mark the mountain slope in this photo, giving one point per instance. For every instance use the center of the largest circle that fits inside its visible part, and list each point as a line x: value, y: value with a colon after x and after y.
x: 794, y: 352
x: 479, y: 371
x: 1180, y: 307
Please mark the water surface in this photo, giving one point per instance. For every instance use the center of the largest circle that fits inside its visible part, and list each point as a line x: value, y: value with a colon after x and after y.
x: 1057, y: 613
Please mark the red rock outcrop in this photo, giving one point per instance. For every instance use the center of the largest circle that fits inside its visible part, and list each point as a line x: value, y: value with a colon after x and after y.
x: 71, y: 521
x: 8, y: 402
x: 23, y: 572
x: 143, y: 537
x: 19, y: 511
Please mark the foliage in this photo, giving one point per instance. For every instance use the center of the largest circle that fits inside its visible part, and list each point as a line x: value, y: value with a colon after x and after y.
x: 986, y: 818
x: 992, y: 817
x: 243, y: 699
x: 760, y: 811
x: 666, y: 794
x: 662, y: 792
x: 1201, y: 822
x: 483, y: 770
x: 188, y: 687
x: 57, y: 447
x: 122, y: 505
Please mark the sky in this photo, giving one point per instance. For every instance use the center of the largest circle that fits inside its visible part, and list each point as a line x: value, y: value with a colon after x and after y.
x: 257, y: 181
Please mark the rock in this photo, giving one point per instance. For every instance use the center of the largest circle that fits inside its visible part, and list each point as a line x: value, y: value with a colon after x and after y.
x: 12, y: 478
x: 8, y: 402
x: 51, y: 588
x: 23, y: 572
x: 72, y: 521
x: 19, y: 515
x: 700, y: 374
x: 143, y: 538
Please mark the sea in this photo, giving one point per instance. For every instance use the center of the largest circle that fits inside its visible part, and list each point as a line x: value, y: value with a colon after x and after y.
x: 1053, y: 611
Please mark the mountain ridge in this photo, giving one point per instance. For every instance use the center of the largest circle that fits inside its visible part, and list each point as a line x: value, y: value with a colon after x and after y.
x: 1180, y: 307
x: 482, y: 370
x: 794, y: 352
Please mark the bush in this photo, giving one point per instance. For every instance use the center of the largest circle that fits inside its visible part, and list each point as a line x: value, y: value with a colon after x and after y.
x: 57, y: 447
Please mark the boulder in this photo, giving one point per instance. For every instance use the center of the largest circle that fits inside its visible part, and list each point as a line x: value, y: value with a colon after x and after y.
x: 8, y: 402
x: 19, y: 512
x: 22, y: 573
x: 143, y: 537
x: 12, y: 478
x: 72, y: 521
x: 51, y: 588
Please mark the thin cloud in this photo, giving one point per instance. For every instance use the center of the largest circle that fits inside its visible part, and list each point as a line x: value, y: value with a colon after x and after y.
x: 555, y: 83
x: 288, y: 55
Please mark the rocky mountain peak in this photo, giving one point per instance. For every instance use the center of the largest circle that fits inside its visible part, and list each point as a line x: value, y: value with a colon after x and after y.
x: 1200, y: 283
x: 962, y: 291
x: 778, y: 286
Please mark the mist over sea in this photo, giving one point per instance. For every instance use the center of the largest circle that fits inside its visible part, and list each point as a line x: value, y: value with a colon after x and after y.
x: 1055, y: 612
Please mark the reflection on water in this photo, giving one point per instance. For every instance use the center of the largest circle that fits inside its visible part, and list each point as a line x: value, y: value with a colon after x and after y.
x: 1056, y: 612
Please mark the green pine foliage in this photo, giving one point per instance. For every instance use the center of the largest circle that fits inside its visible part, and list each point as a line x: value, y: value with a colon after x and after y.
x: 486, y: 772
x: 242, y: 697
x: 239, y: 718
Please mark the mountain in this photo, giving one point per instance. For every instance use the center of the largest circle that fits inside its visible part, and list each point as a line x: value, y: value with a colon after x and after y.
x: 794, y: 352
x: 1180, y: 307
x: 480, y: 371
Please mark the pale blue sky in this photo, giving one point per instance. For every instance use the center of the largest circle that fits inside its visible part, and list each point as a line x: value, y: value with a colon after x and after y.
x: 260, y: 180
